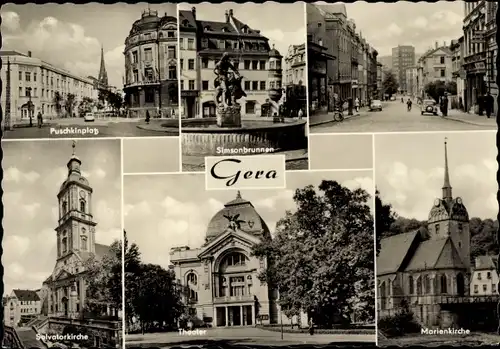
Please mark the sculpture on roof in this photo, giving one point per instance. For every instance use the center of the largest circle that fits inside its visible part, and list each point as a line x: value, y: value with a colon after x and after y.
x: 234, y: 221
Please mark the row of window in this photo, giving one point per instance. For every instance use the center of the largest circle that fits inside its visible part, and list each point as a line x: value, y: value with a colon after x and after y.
x: 63, y: 83
x: 488, y: 275
x: 170, y: 53
x: 247, y: 64
x: 27, y: 302
x: 485, y: 288
x: 149, y: 74
x: 28, y: 310
x: 248, y: 85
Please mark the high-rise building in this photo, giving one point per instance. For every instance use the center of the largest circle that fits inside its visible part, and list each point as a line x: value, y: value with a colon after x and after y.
x: 403, y: 57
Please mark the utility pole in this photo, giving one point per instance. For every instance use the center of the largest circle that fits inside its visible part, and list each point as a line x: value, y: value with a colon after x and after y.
x: 7, y: 126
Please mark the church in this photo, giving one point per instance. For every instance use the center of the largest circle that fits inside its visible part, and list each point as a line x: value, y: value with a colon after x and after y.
x: 220, y: 278
x: 428, y: 268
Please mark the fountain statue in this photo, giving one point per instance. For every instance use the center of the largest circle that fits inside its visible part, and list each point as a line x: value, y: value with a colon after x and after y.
x: 228, y: 92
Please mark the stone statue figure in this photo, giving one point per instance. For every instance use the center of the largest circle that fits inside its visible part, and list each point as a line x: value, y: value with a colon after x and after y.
x: 234, y: 222
x: 227, y: 82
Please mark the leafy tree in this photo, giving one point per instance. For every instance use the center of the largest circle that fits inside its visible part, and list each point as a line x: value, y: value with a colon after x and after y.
x: 436, y: 89
x: 69, y: 104
x: 132, y: 263
x: 390, y: 83
x: 115, y: 100
x: 322, y: 254
x: 58, y: 102
x: 85, y: 106
x: 385, y: 217
x: 483, y: 237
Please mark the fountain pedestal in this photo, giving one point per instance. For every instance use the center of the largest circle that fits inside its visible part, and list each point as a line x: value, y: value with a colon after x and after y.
x: 229, y: 116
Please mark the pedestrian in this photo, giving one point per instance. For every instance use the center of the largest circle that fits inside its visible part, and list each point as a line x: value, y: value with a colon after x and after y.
x: 39, y: 119
x: 409, y: 103
x: 356, y: 104
x: 444, y: 105
x: 301, y: 114
x: 488, y: 104
x: 460, y: 103
x: 311, y: 326
x: 147, y: 116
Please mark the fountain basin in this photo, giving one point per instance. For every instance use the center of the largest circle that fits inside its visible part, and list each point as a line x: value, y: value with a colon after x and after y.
x: 204, y: 137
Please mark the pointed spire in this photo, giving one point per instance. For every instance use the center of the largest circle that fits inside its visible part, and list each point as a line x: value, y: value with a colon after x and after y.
x: 103, y: 75
x: 74, y: 148
x: 447, y: 193
x: 238, y: 195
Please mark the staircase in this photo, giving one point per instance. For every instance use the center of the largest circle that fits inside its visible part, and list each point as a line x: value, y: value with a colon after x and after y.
x: 38, y: 322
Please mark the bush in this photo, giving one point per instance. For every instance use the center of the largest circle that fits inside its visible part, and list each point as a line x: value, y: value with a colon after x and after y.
x: 399, y: 324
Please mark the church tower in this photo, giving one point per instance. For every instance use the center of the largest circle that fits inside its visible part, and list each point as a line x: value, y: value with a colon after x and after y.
x: 103, y: 75
x: 449, y: 217
x: 76, y: 225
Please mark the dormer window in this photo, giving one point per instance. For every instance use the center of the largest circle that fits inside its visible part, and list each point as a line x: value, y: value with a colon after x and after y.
x: 207, y: 28
x: 185, y: 23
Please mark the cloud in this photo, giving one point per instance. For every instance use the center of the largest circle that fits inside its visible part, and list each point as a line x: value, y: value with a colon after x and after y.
x: 271, y: 202
x: 365, y: 183
x: 17, y: 243
x: 15, y: 175
x: 419, y: 22
x: 10, y: 21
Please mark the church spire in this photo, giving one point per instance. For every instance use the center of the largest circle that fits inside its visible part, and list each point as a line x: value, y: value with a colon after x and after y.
x: 103, y: 75
x: 447, y: 194
x: 74, y: 162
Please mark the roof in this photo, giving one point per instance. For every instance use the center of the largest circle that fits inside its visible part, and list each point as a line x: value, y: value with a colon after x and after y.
x: 485, y: 263
x: 102, y: 250
x: 332, y: 9
x: 26, y: 295
x: 28, y: 337
x: 12, y: 53
x: 446, y: 50
x: 393, y: 251
x: 435, y: 254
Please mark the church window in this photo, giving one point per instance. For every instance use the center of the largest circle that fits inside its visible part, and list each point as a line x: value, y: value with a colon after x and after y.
x: 427, y: 284
x: 82, y: 206
x: 436, y: 227
x: 411, y: 285
x: 64, y: 207
x: 419, y: 286
x: 460, y: 227
x: 460, y: 284
x: 65, y: 244
x: 84, y: 245
x: 444, y: 284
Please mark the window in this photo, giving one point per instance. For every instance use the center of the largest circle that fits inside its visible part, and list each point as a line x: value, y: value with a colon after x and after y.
x: 485, y: 288
x: 34, y: 92
x: 134, y: 57
x: 136, y: 75
x: 204, y: 43
x: 263, y: 85
x: 427, y: 284
x: 443, y: 73
x: 436, y: 227
x: 64, y: 245
x: 493, y: 288
x: 255, y: 65
x: 191, y: 278
x: 191, y: 85
x: 479, y: 276
x: 411, y: 287
x: 204, y: 63
x: 82, y: 206
x: 34, y: 76
x: 20, y: 76
x: 441, y: 60
x: 171, y: 52
x: 262, y: 65
x: 149, y: 95
x: 20, y: 91
x: 83, y: 243
x: 181, y: 43
x: 444, y: 284
x: 488, y: 275
x: 171, y: 34
x: 246, y: 65
x: 204, y: 85
x: 181, y: 62
x: 182, y: 85
x: 247, y: 85
x: 190, y: 64
x: 148, y: 54
x: 172, y: 72
x: 255, y: 85
x: 190, y: 44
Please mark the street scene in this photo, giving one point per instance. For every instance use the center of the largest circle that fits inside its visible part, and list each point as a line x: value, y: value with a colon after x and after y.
x: 220, y: 283
x: 401, y: 67
x: 436, y: 229
x: 243, y: 82
x: 63, y: 259
x: 66, y: 76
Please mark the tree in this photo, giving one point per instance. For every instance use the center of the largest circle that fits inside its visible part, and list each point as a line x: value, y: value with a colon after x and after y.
x: 115, y: 100
x: 385, y: 217
x: 70, y: 103
x: 132, y: 263
x: 322, y: 254
x: 390, y: 83
x: 57, y: 102
x: 104, y: 279
x: 436, y: 89
x: 85, y: 106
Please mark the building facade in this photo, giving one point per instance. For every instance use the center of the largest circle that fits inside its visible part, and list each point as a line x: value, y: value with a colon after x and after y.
x: 412, y: 81
x: 372, y: 73
x: 151, y: 83
x: 436, y: 64
x: 258, y: 63
x: 403, y: 56
x: 428, y: 266
x: 380, y: 80
x: 458, y: 73
x: 20, y: 307
x: 484, y: 278
x: 221, y: 276
x: 37, y: 86
x: 492, y: 51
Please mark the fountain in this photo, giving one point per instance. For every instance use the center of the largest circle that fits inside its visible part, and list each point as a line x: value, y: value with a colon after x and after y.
x: 206, y: 136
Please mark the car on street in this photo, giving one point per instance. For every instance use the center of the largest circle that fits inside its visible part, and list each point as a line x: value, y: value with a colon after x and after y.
x: 89, y: 117
x: 393, y: 98
x: 376, y: 105
x: 428, y: 106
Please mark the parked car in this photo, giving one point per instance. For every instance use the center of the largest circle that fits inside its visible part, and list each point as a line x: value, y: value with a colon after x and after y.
x: 428, y: 106
x: 89, y: 117
x: 376, y: 105
x: 393, y: 98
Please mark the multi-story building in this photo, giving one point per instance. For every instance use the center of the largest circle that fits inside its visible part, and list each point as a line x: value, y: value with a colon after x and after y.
x: 259, y: 64
x: 37, y: 86
x: 492, y: 47
x: 458, y: 73
x: 380, y: 80
x: 362, y: 92
x: 20, y: 307
x: 295, y: 78
x: 484, y: 279
x: 151, y: 66
x: 437, y: 64
x: 372, y: 73
x: 411, y: 80
x: 403, y: 56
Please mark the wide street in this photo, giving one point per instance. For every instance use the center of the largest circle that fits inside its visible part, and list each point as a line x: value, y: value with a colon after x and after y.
x: 96, y: 129
x: 241, y: 335
x: 395, y: 118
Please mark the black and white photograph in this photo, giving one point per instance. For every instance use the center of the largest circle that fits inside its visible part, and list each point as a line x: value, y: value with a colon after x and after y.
x: 86, y: 71
x: 62, y: 244
x: 402, y: 66
x: 243, y: 81
x: 293, y: 266
x: 436, y: 226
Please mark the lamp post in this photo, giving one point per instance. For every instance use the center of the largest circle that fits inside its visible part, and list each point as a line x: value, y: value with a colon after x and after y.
x: 7, y: 123
x: 30, y: 105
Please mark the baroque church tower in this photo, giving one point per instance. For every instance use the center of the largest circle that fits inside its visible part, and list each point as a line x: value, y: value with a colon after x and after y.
x: 103, y: 75
x: 76, y: 225
x: 449, y: 218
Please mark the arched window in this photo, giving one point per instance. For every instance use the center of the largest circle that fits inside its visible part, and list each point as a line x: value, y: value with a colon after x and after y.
x: 419, y: 286
x: 383, y: 295
x: 411, y: 288
x: 192, y: 282
x: 234, y: 259
x: 444, y: 283
x: 427, y: 284
x: 460, y: 285
x: 83, y: 242
x: 192, y: 279
x: 64, y: 207
x: 64, y: 244
x: 82, y: 206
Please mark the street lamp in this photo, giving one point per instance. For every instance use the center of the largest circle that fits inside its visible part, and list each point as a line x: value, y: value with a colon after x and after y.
x: 30, y: 105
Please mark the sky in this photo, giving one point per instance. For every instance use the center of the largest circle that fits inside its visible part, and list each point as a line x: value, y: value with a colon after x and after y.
x: 33, y: 174
x: 281, y: 30
x: 328, y: 152
x: 409, y: 171
x: 70, y: 36
x: 149, y: 155
x: 164, y: 211
x: 386, y: 25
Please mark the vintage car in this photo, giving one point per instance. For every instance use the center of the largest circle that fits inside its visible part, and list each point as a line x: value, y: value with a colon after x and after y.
x: 89, y: 117
x: 376, y: 105
x: 428, y: 106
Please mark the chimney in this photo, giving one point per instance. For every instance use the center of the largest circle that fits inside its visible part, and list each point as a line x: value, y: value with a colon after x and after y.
x: 436, y: 45
x: 193, y: 11
x: 227, y: 16
x: 29, y: 53
x: 231, y: 12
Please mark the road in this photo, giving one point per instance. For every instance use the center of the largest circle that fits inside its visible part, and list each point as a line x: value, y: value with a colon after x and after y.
x: 96, y: 129
x: 395, y: 118
x: 241, y: 335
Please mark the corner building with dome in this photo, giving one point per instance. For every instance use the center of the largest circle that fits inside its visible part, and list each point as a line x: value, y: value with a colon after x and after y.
x: 431, y: 269
x: 221, y: 277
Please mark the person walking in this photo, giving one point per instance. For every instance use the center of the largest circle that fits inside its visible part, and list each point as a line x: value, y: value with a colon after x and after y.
x: 311, y: 326
x: 444, y: 104
x: 39, y: 118
x: 408, y: 104
x: 147, y: 116
x: 488, y: 104
x: 356, y: 104
x: 300, y: 114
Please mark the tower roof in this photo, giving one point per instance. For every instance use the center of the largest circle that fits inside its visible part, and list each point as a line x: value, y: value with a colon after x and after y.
x: 447, y: 190
x: 74, y: 171
x: 103, y: 75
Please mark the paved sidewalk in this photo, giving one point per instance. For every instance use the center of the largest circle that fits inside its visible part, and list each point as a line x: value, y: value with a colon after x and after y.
x: 472, y: 119
x: 327, y: 117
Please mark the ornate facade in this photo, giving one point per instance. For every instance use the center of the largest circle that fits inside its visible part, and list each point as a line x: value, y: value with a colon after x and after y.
x: 426, y: 268
x: 221, y: 276
x: 151, y: 66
